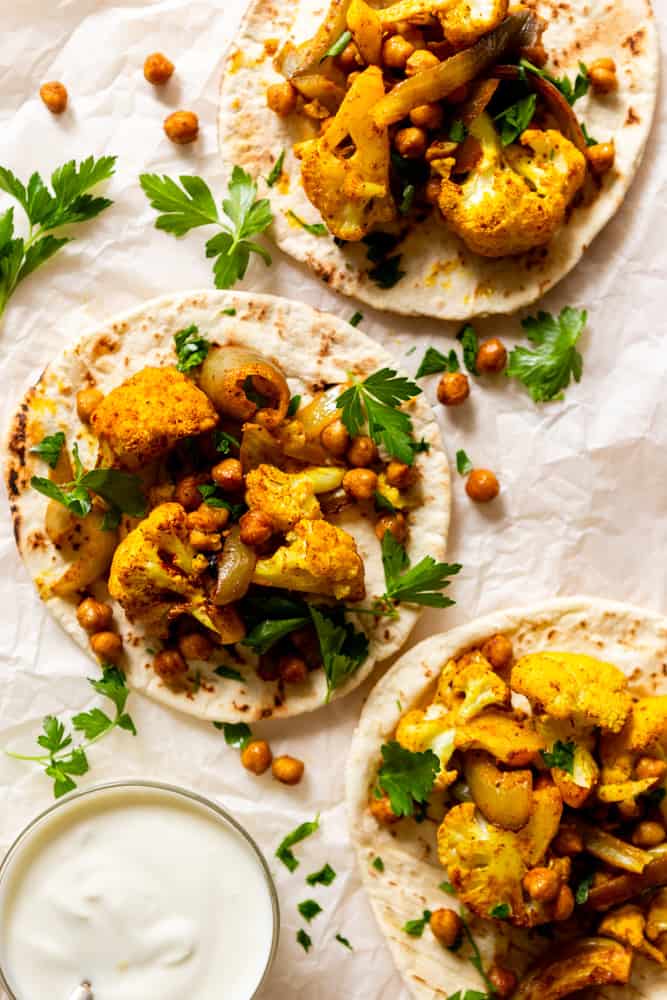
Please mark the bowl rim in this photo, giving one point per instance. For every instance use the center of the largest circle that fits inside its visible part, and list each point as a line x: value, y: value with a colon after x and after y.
x: 178, y: 791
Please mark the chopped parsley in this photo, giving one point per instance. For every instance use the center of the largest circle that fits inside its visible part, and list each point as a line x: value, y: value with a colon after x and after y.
x: 590, y: 141
x: 284, y: 851
x: 293, y: 406
x: 376, y: 401
x: 191, y: 348
x: 309, y: 909
x: 434, y: 362
x: 422, y: 583
x: 378, y: 864
x: 276, y: 170
x: 237, y: 734
x: 224, y: 442
x: 209, y: 494
x: 547, y: 370
x: 314, y: 228
x: 356, y: 318
x: 304, y: 939
x: 463, y: 463
x: 49, y: 448
x: 415, y: 928
x: 468, y: 338
x: 229, y: 673
x: 501, y: 911
x: 448, y: 888
x: 344, y: 942
x: 383, y: 503
x: 516, y: 119
x: 231, y: 311
x: 325, y: 876
x: 387, y: 272
x: 406, y: 777
x: 561, y: 756
x: 583, y: 889
x: 571, y: 92
x: 338, y: 46
x: 407, y: 199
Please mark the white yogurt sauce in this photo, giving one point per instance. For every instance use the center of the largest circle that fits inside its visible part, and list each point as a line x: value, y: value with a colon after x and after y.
x: 143, y: 893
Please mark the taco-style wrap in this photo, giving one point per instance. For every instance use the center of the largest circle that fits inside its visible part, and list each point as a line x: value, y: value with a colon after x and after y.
x: 230, y: 496
x: 506, y: 789
x: 446, y: 158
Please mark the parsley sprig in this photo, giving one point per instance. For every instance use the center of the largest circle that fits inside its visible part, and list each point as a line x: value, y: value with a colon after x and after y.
x: 192, y: 205
x: 343, y: 649
x: 375, y: 401
x: 68, y: 202
x: 570, y: 91
x: 284, y: 850
x: 422, y: 583
x: 63, y: 761
x: 547, y: 370
x: 516, y: 118
x: 406, y: 777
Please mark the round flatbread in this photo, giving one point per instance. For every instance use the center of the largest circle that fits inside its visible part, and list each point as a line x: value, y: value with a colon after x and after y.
x: 313, y: 349
x: 443, y: 279
x: 633, y: 639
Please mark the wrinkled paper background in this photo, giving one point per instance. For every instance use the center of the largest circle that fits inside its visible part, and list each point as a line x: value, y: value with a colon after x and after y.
x: 583, y: 507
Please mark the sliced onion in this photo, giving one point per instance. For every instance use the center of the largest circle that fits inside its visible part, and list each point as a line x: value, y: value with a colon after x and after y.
x: 222, y: 378
x: 478, y: 101
x: 236, y: 564
x: 321, y: 411
x: 292, y: 62
x: 624, y: 887
x: 614, y: 852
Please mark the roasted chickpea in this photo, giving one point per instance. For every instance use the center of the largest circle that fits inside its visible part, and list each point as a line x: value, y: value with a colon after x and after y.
x: 504, y: 982
x: 395, y: 523
x: 182, y: 127
x: 288, y: 770
x: 453, y: 389
x: 158, y: 69
x: 650, y: 767
x: 630, y: 809
x: 564, y: 906
x: 542, y: 884
x: 228, y: 475
x: 568, y: 842
x: 381, y: 810
x: 349, y: 59
x: 482, y: 486
x: 601, y: 157
x: 360, y: 483
x: 602, y: 74
x: 491, y: 356
x: 195, y: 646
x: 362, y: 452
x: 649, y: 833
x: 446, y: 926
x: 267, y: 668
x: 410, y: 142
x: 432, y: 190
x: 205, y: 542
x: 293, y: 670
x: 306, y: 641
x: 498, y: 651
x: 419, y: 61
x: 86, y: 401
x: 54, y: 95
x: 106, y: 645
x: 335, y: 438
x: 399, y: 474
x: 208, y: 519
x: 169, y: 664
x: 257, y: 756
x: 187, y: 493
x: 396, y: 51
x: 281, y: 98
x: 255, y: 528
x: 429, y: 116
x: 93, y: 615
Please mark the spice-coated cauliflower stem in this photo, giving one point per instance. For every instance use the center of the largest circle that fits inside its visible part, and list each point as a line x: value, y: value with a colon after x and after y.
x: 156, y: 576
x: 468, y: 20
x: 516, y: 197
x: 351, y: 192
x: 145, y: 416
x: 318, y: 558
x: 286, y: 498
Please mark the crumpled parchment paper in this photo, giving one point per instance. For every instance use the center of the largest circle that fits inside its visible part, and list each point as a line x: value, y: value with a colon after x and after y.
x: 583, y: 507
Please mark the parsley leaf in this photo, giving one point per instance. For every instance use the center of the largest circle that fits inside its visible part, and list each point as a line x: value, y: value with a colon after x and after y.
x: 407, y: 199
x: 476, y: 960
x: 237, y: 734
x: 191, y: 348
x: 209, y: 494
x: 267, y: 633
x: 583, y: 889
x: 571, y: 92
x: 344, y: 942
x: 343, y: 648
x: 468, y: 338
x: 314, y: 228
x: 501, y: 911
x: 192, y: 205
x: 471, y: 995
x: 448, y: 888
x: 516, y: 119
x: 433, y: 362
x: 304, y: 939
x: 547, y: 370
x: 224, y: 442
x: 284, y: 851
x: 406, y: 777
x: 325, y: 876
x: 276, y: 170
x: 457, y: 131
x: 49, y: 448
x: 375, y: 401
x: 309, y: 909
x: 561, y: 756
x: 294, y: 404
x: 378, y: 864
x: 387, y: 272
x: 590, y: 141
x: 422, y: 583
x: 229, y: 673
x: 338, y: 46
x: 356, y: 318
x: 383, y: 503
x: 463, y: 463
x: 415, y: 928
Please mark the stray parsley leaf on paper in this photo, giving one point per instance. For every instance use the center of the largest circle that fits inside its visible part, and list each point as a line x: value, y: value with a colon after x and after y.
x: 546, y: 371
x: 325, y: 876
x: 309, y: 909
x: 434, y: 362
x: 415, y: 928
x: 422, y: 583
x: 284, y: 851
x: 463, y: 463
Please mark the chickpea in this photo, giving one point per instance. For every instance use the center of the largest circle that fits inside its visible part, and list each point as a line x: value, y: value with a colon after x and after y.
x: 106, y: 645
x: 601, y: 157
x: 86, y: 401
x: 504, y: 981
x: 419, y: 61
x: 410, y: 142
x: 396, y: 51
x: 94, y: 616
x: 257, y: 756
x: 182, y: 127
x: 648, y: 834
x: 568, y: 842
x: 446, y: 926
x: 335, y: 438
x: 281, y: 98
x: 429, y: 116
x: 482, y: 486
x: 195, y: 646
x: 432, y: 190
x: 360, y: 483
x: 453, y: 389
x: 395, y: 523
x: 498, y: 651
x: 293, y: 670
x: 630, y: 809
x: 350, y: 59
x: 306, y: 641
x: 54, y: 95
x: 400, y: 475
x: 288, y: 770
x: 491, y: 356
x: 255, y: 528
x: 381, y: 810
x: 268, y: 669
x: 158, y: 69
x: 542, y: 884
x: 602, y: 74
x: 208, y: 519
x: 187, y: 493
x: 228, y: 475
x: 362, y: 452
x: 204, y: 542
x: 650, y: 767
x: 169, y: 664
x: 564, y: 907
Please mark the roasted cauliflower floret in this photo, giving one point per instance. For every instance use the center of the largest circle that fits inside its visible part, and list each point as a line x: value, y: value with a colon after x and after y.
x: 290, y: 497
x: 434, y: 730
x: 319, y: 558
x: 509, y: 740
x: 516, y: 197
x: 469, y: 685
x: 466, y: 22
x: 145, y: 416
x: 627, y: 924
x: 574, y: 686
x: 645, y: 731
x: 157, y: 576
x: 351, y: 190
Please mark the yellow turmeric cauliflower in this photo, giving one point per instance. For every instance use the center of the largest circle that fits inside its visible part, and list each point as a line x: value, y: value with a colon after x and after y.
x: 627, y: 924
x: 469, y: 685
x: 466, y: 22
x: 145, y: 416
x: 351, y: 192
x: 509, y: 740
x: 318, y: 558
x: 432, y: 729
x: 289, y: 497
x: 574, y: 686
x: 516, y: 197
x: 645, y: 730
